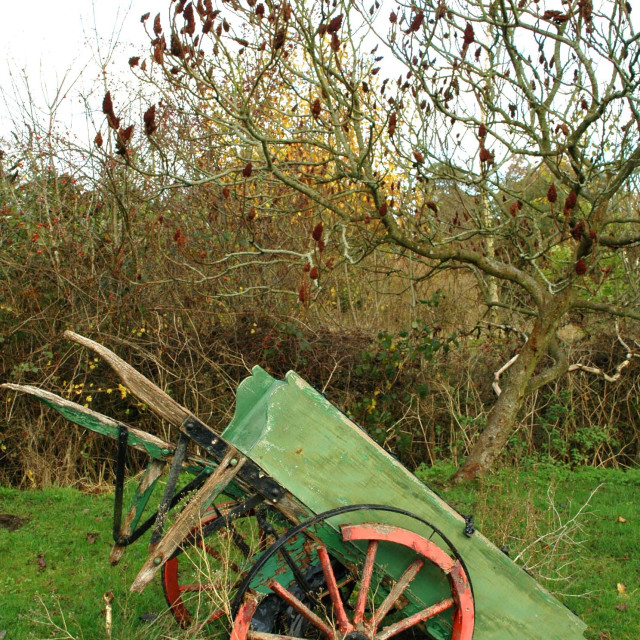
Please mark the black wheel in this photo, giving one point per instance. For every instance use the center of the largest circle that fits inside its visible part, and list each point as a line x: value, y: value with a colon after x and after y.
x: 356, y: 580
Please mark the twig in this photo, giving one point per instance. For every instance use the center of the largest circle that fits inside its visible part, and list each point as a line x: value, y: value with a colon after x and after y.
x: 618, y: 370
x: 496, y: 376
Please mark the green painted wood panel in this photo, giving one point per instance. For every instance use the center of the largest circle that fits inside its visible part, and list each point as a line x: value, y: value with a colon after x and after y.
x: 326, y: 461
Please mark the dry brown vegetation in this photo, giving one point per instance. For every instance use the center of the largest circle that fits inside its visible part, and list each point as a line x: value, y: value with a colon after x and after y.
x: 62, y: 269
x: 397, y: 241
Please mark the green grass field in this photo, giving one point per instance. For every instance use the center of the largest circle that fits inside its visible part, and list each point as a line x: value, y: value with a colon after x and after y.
x: 54, y: 569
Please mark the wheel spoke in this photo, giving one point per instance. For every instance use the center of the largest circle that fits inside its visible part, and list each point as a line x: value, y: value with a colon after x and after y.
x: 242, y: 623
x: 302, y: 609
x: 334, y: 592
x: 327, y: 612
x: 194, y: 587
x: 261, y: 635
x: 416, y: 618
x: 365, y: 582
x: 397, y: 590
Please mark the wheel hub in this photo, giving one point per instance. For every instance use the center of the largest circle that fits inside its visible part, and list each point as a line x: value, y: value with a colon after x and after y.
x: 355, y: 635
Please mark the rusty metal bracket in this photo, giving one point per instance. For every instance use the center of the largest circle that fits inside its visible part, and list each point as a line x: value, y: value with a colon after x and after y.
x: 123, y: 437
x: 250, y: 473
x: 125, y: 541
x: 169, y: 489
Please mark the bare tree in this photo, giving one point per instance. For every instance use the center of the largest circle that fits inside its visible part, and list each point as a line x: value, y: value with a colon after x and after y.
x: 401, y: 127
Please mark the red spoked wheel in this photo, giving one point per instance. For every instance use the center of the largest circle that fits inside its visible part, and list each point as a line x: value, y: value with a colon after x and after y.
x: 336, y: 617
x: 188, y: 578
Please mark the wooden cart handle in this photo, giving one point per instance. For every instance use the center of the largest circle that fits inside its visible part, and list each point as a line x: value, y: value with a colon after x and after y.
x: 141, y: 387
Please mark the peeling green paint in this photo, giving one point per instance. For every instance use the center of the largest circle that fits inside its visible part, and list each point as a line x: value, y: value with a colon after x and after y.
x: 325, y: 460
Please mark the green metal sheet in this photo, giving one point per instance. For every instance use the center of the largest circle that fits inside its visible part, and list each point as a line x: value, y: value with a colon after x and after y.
x: 326, y: 461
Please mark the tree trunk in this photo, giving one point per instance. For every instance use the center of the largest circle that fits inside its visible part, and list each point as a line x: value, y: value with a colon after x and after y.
x: 504, y: 414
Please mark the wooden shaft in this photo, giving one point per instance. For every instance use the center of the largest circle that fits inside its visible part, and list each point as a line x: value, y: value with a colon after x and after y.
x: 140, y: 386
x: 189, y: 518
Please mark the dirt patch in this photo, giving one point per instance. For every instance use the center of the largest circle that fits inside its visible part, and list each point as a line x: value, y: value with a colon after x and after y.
x: 11, y: 522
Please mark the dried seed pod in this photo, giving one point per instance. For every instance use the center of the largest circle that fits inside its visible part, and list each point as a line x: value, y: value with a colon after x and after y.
x: 335, y: 24
x: 248, y: 170
x: 416, y: 23
x: 149, y: 119
x: 391, y: 129
x: 158, y: 54
x: 281, y: 36
x: 469, y: 35
x: 581, y: 267
x: 316, y: 234
x: 179, y: 237
x: 125, y: 134
x: 552, y: 194
x: 177, y: 49
x: 571, y: 201
x: 190, y: 27
x: 107, y: 104
x: 577, y: 230
x: 486, y: 156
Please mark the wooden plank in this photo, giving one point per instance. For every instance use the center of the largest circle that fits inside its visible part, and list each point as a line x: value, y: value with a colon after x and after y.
x: 85, y: 417
x: 189, y: 517
x: 326, y: 461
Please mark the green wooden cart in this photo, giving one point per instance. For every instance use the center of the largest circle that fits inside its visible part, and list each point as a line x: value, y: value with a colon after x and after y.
x: 349, y: 546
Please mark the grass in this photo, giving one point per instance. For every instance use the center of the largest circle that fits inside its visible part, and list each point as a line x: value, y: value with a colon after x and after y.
x: 592, y: 564
x: 54, y: 569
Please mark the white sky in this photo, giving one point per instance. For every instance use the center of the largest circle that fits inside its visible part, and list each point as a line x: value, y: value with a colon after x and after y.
x: 45, y: 39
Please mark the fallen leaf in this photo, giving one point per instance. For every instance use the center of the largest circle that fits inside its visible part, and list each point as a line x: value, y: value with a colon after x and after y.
x: 92, y: 536
x: 41, y: 563
x: 622, y: 606
x: 621, y: 588
x: 621, y: 519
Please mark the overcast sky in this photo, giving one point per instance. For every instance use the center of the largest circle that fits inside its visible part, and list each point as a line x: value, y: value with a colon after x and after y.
x: 45, y: 39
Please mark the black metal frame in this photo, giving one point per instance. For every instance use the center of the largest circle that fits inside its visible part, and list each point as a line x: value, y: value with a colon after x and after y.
x: 249, y: 476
